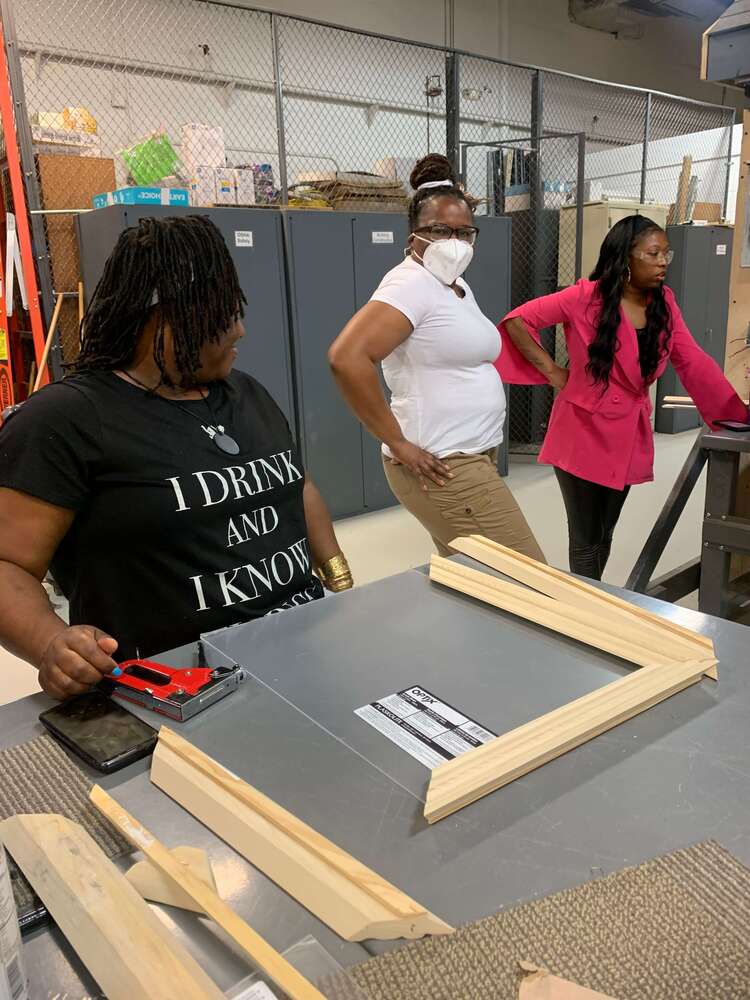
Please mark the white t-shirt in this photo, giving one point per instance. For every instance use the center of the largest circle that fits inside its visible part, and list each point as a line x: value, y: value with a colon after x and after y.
x: 445, y: 391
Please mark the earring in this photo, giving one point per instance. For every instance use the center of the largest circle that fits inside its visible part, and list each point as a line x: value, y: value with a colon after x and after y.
x: 627, y: 280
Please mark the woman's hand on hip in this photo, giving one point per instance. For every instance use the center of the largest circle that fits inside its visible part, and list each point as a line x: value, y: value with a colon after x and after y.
x: 76, y: 659
x: 421, y: 462
x: 558, y: 377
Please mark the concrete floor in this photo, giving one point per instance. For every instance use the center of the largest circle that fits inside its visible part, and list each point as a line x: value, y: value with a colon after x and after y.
x: 390, y: 541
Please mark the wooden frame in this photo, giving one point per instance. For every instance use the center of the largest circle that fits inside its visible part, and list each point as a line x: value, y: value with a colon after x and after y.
x: 206, y: 899
x: 125, y: 946
x: 671, y: 658
x: 352, y: 899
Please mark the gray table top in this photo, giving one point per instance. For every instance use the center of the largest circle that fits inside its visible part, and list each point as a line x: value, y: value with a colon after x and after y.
x: 722, y: 440
x: 673, y: 775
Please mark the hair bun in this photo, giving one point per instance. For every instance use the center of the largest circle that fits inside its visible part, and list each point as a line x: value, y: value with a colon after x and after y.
x: 434, y: 167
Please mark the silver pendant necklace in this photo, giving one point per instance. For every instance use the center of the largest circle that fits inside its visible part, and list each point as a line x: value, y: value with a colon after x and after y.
x: 223, y: 441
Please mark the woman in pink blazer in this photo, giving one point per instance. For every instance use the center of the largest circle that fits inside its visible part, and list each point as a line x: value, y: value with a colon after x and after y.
x: 621, y: 329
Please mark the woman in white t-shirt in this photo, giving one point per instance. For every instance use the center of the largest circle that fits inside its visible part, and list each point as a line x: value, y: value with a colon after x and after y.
x: 445, y: 422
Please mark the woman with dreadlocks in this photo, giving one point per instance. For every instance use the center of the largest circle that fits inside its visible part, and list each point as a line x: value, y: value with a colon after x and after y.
x: 163, y: 489
x: 621, y: 329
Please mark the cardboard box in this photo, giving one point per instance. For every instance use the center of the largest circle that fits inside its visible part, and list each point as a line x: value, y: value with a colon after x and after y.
x: 245, y: 185
x: 203, y: 187
x: 69, y: 182
x: 226, y: 193
x: 202, y: 146
x: 142, y: 196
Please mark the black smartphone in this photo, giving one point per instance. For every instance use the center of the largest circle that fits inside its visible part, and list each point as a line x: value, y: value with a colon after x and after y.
x: 99, y: 731
x: 732, y: 425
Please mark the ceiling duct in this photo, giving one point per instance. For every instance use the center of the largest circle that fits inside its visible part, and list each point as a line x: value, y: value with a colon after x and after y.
x: 725, y: 56
x: 625, y: 18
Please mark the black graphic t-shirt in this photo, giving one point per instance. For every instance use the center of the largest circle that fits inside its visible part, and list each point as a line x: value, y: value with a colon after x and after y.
x: 171, y: 537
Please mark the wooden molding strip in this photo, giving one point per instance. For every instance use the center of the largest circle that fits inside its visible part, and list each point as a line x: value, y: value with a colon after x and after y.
x: 458, y: 782
x: 155, y: 887
x: 352, y: 899
x: 259, y: 951
x: 660, y: 634
x: 559, y: 617
x: 121, y: 941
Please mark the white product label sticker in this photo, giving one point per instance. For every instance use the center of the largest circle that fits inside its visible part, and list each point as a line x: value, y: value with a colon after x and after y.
x: 381, y: 236
x: 425, y: 727
x: 243, y: 237
x: 721, y: 249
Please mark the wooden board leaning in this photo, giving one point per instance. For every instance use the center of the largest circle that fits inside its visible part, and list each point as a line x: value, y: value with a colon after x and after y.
x: 260, y: 952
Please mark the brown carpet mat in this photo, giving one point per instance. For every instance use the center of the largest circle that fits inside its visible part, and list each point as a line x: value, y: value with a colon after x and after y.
x: 675, y: 928
x: 39, y: 777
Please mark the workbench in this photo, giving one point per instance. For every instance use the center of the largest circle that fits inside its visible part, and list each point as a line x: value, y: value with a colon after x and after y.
x: 723, y: 531
x: 673, y: 775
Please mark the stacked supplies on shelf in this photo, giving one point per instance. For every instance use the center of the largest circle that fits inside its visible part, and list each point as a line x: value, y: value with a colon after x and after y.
x: 358, y: 192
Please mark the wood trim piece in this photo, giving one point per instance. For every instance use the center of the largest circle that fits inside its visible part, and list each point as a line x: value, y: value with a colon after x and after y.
x: 284, y: 975
x: 467, y: 778
x: 121, y: 941
x: 560, y: 617
x: 352, y: 899
x: 573, y: 591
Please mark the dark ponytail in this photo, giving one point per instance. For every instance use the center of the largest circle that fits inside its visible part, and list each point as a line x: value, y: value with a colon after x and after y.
x: 434, y: 167
x: 610, y: 275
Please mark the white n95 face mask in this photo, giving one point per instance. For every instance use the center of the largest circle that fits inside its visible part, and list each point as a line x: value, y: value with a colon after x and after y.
x: 446, y: 259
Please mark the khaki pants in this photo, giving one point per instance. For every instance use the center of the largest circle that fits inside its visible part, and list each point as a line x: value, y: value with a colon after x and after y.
x: 475, y: 502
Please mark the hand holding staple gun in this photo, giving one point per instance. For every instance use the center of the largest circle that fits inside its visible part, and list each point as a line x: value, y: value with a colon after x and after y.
x: 76, y: 658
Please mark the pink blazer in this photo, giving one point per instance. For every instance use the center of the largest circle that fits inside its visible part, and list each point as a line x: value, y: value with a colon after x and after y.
x: 606, y: 437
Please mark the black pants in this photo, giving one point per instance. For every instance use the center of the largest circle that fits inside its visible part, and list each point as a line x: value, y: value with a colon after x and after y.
x: 593, y: 511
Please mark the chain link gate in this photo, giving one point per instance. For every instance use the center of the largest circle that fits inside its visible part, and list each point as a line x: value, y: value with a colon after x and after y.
x: 535, y: 182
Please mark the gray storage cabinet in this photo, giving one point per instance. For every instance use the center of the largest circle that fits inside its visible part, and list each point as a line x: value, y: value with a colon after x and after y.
x: 490, y: 279
x: 335, y: 262
x: 699, y: 278
x: 254, y: 238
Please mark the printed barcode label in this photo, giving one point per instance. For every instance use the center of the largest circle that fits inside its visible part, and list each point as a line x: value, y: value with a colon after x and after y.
x: 15, y: 978
x: 258, y: 991
x: 479, y: 732
x: 424, y: 726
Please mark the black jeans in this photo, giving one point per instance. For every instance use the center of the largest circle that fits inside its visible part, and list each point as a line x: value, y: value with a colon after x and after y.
x: 593, y: 511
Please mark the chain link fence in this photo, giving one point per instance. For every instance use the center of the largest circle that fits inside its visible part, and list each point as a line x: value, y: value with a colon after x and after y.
x: 239, y: 106
x: 534, y: 181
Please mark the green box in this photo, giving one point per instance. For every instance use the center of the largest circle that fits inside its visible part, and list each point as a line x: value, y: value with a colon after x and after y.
x: 150, y: 160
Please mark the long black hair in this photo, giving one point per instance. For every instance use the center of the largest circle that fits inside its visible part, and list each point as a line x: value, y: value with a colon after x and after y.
x: 180, y: 266
x: 434, y: 167
x: 610, y: 274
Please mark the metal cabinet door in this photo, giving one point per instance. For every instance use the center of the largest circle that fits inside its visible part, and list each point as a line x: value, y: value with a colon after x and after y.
x: 98, y: 232
x: 378, y: 241
x: 264, y: 352
x: 254, y: 238
x: 489, y: 278
x: 719, y: 268
x: 321, y: 289
x: 699, y: 278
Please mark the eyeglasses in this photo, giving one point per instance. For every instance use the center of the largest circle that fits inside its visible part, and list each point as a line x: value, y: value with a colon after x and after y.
x: 655, y: 256
x: 442, y: 231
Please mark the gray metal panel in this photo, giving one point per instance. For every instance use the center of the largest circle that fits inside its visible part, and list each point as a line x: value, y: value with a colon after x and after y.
x: 729, y: 55
x: 699, y: 278
x: 321, y: 290
x: 489, y: 277
x: 97, y: 234
x: 264, y: 352
x: 372, y: 259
